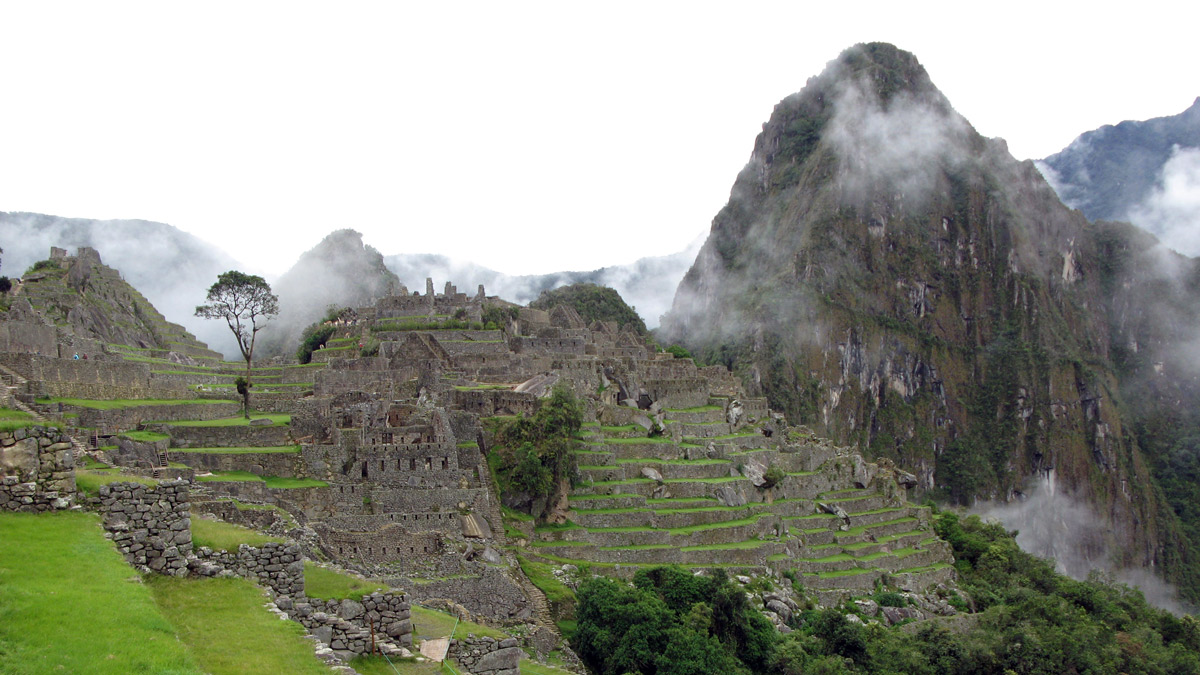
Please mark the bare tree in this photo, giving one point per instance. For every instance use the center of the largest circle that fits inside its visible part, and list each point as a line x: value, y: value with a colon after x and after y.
x: 246, y: 303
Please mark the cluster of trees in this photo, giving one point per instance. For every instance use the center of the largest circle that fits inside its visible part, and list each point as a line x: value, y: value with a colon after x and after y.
x: 1025, y: 618
x: 534, y: 456
x: 594, y: 303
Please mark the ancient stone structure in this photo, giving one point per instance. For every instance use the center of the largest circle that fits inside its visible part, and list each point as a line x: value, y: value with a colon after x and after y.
x: 279, y: 567
x: 150, y: 525
x: 488, y: 656
x: 36, y: 470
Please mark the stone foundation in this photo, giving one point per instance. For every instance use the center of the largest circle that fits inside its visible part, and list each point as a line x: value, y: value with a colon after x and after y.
x: 488, y: 656
x: 150, y: 525
x: 38, y: 469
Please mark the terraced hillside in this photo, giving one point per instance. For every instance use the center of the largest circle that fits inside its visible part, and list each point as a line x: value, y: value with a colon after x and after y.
x: 709, y: 493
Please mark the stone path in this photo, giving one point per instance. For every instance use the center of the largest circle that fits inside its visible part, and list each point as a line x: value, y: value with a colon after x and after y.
x: 435, y: 649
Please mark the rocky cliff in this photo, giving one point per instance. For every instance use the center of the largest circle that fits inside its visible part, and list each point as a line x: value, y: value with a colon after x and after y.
x: 884, y: 273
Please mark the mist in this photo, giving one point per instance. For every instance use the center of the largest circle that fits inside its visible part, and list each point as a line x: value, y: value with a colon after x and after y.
x: 1172, y: 209
x: 1054, y: 525
x: 900, y: 146
x: 647, y: 284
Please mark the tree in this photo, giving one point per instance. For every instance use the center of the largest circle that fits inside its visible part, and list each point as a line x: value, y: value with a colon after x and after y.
x: 246, y: 303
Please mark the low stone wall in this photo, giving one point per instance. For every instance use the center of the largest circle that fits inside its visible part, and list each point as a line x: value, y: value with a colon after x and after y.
x: 38, y: 469
x: 150, y: 525
x: 131, y: 417
x: 228, y: 437
x: 279, y: 567
x: 488, y: 656
x: 347, y: 626
x: 282, y: 464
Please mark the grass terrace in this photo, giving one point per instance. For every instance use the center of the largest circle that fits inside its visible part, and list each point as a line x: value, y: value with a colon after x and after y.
x: 224, y: 627
x: 117, y: 404
x: 11, y: 420
x: 282, y: 449
x: 70, y: 604
x: 271, y: 481
x: 145, y: 436
x: 231, y: 421
x: 220, y: 535
x: 327, y: 583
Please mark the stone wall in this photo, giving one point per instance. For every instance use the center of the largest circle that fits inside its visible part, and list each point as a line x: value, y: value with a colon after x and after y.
x: 38, y: 469
x: 347, y: 626
x: 282, y: 464
x: 150, y: 525
x: 228, y: 437
x: 131, y: 417
x: 488, y: 656
x: 491, y: 594
x: 279, y: 567
x: 96, y: 379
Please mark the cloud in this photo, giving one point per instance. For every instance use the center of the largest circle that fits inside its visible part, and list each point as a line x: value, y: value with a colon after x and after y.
x: 1051, y: 524
x: 1172, y: 210
x: 898, y: 147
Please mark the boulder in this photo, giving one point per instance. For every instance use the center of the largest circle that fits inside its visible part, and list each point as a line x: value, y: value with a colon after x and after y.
x: 652, y: 474
x: 727, y: 496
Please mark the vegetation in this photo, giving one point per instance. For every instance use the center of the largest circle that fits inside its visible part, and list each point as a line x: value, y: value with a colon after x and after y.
x: 246, y: 303
x: 670, y: 622
x: 316, y: 335
x: 11, y: 420
x: 534, y: 456
x: 223, y: 536
x: 224, y: 627
x: 326, y: 583
x: 70, y: 604
x: 231, y: 421
x: 594, y: 303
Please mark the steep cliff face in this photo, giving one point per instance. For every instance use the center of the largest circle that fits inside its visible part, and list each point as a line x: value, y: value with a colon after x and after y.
x: 887, y: 275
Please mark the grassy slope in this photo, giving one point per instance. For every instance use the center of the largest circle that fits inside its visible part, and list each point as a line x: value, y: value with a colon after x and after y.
x: 69, y: 603
x: 219, y: 535
x: 223, y: 624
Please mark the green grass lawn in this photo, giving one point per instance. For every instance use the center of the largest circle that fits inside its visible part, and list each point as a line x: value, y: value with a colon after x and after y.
x: 88, y: 481
x: 220, y: 535
x: 271, y: 481
x: 116, y: 404
x: 242, y: 451
x: 378, y: 665
x: 542, y: 576
x: 225, y: 628
x: 428, y: 623
x: 232, y: 421
x: 325, y: 583
x: 145, y: 436
x: 70, y: 604
x: 11, y: 420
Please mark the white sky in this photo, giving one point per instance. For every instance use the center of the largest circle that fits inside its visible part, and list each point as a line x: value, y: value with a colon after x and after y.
x: 529, y: 137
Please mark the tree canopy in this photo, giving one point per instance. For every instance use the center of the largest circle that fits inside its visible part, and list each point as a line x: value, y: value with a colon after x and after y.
x: 246, y: 303
x: 594, y: 303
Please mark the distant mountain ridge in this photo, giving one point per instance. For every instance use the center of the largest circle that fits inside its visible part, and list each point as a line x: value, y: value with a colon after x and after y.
x: 172, y: 268
x: 1145, y: 172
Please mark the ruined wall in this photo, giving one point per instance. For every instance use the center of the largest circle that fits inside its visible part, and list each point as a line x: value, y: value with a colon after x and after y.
x: 347, y: 626
x: 232, y: 437
x: 131, y: 417
x: 488, y: 656
x: 150, y: 525
x: 491, y: 594
x: 282, y: 464
x: 38, y: 469
x: 489, y: 402
x: 27, y: 337
x: 279, y: 567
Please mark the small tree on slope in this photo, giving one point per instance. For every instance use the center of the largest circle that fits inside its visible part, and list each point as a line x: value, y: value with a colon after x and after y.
x: 246, y: 303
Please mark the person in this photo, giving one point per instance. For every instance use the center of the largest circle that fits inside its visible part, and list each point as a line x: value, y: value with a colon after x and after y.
x: 76, y: 356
